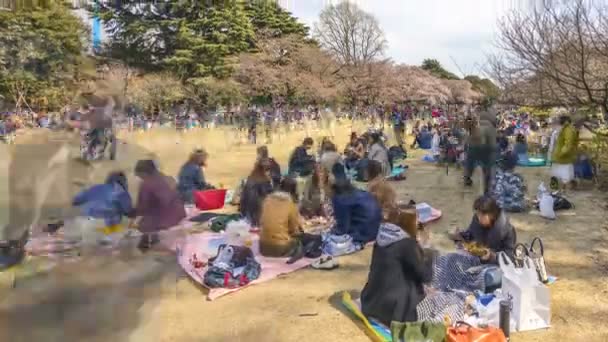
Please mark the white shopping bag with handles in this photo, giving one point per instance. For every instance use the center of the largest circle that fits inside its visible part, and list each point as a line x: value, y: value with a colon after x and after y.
x: 530, y: 298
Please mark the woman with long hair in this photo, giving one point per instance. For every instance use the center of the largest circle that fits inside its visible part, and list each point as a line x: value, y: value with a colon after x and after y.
x: 191, y: 176
x: 257, y: 186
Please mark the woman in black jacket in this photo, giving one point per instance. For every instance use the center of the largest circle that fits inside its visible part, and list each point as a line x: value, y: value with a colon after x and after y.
x: 257, y: 187
x: 398, y: 270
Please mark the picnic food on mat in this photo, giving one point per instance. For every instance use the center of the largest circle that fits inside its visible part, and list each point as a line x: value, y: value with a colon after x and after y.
x: 475, y: 249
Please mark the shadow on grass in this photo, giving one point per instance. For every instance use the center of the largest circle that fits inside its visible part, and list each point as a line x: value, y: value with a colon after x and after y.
x: 69, y: 306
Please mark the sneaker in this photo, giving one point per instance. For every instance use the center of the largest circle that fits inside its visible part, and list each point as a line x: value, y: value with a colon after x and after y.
x: 326, y: 263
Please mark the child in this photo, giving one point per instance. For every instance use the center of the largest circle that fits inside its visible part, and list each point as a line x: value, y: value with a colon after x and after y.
x: 109, y: 201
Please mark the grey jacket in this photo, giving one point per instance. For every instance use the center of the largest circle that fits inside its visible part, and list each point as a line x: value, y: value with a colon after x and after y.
x: 499, y: 238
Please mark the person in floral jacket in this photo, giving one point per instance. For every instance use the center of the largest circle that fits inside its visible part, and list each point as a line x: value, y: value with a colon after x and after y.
x: 509, y: 188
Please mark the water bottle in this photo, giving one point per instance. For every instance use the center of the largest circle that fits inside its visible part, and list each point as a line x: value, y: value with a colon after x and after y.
x: 504, y: 317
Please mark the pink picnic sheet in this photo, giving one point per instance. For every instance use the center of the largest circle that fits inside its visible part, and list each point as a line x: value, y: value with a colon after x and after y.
x: 205, y: 245
x: 435, y: 215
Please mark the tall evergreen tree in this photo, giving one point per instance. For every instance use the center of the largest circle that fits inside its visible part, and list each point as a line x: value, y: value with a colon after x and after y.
x: 192, y: 38
x: 40, y: 53
x: 270, y: 20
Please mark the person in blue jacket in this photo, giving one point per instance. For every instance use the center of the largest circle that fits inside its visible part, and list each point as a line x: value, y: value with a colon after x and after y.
x: 357, y: 213
x: 109, y: 201
x: 191, y: 177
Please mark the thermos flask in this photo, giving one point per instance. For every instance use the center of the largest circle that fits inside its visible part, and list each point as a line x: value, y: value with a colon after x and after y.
x: 504, y: 317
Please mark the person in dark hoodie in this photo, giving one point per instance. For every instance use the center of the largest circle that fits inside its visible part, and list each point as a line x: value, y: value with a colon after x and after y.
x: 490, y: 228
x: 398, y: 270
x: 357, y: 213
x: 191, y: 177
x: 301, y: 163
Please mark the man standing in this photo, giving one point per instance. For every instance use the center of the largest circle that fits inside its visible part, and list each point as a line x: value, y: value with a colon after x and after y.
x: 482, y: 149
x: 398, y: 126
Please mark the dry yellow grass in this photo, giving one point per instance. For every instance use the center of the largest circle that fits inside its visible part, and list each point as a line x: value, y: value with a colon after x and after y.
x: 142, y: 299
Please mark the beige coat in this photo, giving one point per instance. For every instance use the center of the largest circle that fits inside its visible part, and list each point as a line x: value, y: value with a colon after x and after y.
x: 280, y: 224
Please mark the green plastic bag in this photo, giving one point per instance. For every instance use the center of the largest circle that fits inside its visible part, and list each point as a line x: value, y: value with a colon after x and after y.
x: 219, y: 223
x: 418, y: 332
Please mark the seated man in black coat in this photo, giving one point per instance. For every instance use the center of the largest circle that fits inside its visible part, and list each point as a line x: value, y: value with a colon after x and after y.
x: 398, y: 270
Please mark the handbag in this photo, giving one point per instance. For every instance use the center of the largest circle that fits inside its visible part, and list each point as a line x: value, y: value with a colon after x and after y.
x: 534, y: 253
x: 417, y: 332
x: 464, y: 332
x: 519, y: 254
x: 538, y: 258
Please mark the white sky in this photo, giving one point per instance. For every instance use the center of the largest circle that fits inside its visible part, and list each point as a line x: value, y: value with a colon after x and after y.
x: 417, y: 29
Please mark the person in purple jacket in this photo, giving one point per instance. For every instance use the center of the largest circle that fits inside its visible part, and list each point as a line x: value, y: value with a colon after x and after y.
x: 159, y: 205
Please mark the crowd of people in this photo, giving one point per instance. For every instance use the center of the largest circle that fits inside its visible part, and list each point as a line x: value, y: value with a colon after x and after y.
x: 327, y: 183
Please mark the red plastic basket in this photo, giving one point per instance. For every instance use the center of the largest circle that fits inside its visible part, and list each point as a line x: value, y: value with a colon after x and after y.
x: 210, y: 199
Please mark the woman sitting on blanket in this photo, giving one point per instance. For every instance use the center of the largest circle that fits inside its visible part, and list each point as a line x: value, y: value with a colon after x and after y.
x: 379, y: 152
x: 489, y: 228
x: 159, y: 206
x: 255, y: 190
x: 281, y: 234
x: 380, y: 188
x: 191, y: 177
x: 398, y: 270
x: 356, y: 212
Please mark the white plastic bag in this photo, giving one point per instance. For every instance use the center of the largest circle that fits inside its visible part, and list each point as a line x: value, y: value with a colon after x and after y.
x: 545, y: 204
x: 237, y: 233
x: 530, y: 298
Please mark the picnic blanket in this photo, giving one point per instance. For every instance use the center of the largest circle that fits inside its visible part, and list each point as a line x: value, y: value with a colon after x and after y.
x: 458, y: 271
x: 434, y: 308
x: 532, y: 162
x: 205, y: 246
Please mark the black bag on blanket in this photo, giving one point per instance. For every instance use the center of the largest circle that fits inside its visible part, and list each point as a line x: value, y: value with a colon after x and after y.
x: 233, y: 266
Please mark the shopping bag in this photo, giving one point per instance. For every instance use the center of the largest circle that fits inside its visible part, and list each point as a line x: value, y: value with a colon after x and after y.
x: 538, y: 258
x: 530, y: 298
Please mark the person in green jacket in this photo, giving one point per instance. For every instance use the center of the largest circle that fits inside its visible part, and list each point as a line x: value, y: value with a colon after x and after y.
x: 564, y: 152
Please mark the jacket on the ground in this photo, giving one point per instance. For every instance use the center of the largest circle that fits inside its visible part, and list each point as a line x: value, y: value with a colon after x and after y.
x: 564, y: 151
x: 510, y: 191
x: 499, y: 238
x: 191, y: 178
x: 159, y: 204
x: 279, y: 223
x: 108, y: 201
x: 252, y: 196
x: 357, y: 214
x: 397, y: 273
